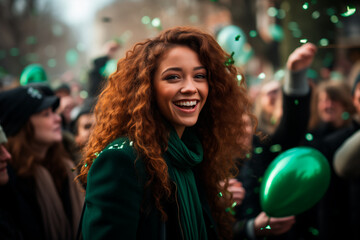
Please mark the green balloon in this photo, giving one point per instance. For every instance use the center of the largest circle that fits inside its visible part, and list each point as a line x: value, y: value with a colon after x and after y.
x: 294, y: 182
x: 33, y: 73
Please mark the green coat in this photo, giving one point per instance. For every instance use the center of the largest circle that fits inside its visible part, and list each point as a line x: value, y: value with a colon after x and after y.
x: 118, y: 207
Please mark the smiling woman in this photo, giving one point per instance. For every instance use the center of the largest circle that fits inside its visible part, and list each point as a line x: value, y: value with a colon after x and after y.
x: 165, y: 137
x: 44, y: 178
x: 181, y: 87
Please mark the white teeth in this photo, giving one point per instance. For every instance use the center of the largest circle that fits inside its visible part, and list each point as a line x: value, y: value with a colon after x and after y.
x: 186, y: 103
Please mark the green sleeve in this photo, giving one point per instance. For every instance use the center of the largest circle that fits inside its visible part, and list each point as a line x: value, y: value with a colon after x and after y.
x: 113, y: 196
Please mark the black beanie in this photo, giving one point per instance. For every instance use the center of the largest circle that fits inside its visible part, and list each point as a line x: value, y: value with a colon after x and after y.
x: 17, y: 105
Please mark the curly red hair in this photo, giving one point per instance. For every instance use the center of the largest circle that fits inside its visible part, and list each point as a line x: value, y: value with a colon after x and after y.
x: 127, y: 107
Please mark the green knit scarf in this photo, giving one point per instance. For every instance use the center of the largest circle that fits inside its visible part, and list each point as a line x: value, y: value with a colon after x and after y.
x: 185, y: 154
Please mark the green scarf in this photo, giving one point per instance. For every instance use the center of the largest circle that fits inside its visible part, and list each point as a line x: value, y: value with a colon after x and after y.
x: 185, y: 154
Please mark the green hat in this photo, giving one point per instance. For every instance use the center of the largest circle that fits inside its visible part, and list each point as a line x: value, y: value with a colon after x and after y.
x: 2, y: 136
x: 33, y: 73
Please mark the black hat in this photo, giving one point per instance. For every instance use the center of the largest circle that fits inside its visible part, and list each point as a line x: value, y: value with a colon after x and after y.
x: 19, y: 104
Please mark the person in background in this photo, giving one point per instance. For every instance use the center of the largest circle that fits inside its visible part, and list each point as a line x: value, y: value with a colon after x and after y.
x: 9, y: 227
x: 62, y: 90
x: 82, y: 127
x: 338, y: 210
x: 97, y: 78
x: 331, y: 109
x: 279, y: 130
x: 44, y: 175
x: 347, y: 158
x: 164, y: 139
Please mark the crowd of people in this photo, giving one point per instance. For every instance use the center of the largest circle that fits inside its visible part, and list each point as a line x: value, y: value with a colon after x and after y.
x: 172, y: 146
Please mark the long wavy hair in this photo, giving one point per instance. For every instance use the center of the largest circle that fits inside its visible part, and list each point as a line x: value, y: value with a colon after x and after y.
x: 337, y: 91
x: 127, y: 107
x: 25, y: 158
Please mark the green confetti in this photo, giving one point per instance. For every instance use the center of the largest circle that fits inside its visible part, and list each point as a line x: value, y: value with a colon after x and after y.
x: 249, y: 211
x: 220, y: 194
x: 258, y: 150
x: 85, y: 165
x: 330, y: 11
x: 156, y: 23
x: 345, y: 115
x: 350, y: 10
x: 324, y: 42
x: 314, y: 231
x: 230, y: 60
x: 253, y: 33
x: 234, y: 204
x: 272, y: 11
x: 296, y: 102
x: 145, y: 20
x: 96, y: 154
x: 14, y: 52
x: 51, y: 62
x: 315, y: 15
x: 275, y: 148
x: 309, y: 137
x: 262, y: 76
x: 305, y: 6
x: 30, y: 40
x: 334, y: 19
x: 237, y: 37
x: 303, y: 40
x: 72, y: 57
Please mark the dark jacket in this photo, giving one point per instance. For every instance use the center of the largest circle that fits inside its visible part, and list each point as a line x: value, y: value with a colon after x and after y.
x: 287, y: 135
x: 338, y: 211
x: 19, y: 212
x: 117, y: 206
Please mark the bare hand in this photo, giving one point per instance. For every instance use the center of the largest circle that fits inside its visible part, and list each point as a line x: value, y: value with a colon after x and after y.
x: 237, y: 190
x: 301, y: 57
x: 277, y: 226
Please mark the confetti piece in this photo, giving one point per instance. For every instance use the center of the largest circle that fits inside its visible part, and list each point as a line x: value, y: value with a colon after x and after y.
x: 305, y: 6
x: 303, y: 40
x: 345, y: 115
x: 275, y: 148
x: 85, y: 165
x: 262, y: 75
x: 237, y: 37
x: 258, y: 150
x: 350, y: 10
x: 220, y: 194
x: 309, y: 137
x: 296, y: 102
x: 314, y: 231
x: 145, y: 20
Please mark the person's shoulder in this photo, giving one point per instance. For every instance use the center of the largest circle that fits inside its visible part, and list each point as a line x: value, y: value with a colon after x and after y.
x: 121, y: 150
x: 120, y: 145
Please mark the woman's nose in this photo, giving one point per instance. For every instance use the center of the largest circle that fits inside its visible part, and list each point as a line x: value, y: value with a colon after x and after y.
x: 189, y: 86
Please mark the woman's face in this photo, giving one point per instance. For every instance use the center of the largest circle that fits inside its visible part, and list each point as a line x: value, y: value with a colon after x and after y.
x: 330, y: 111
x: 181, y: 87
x: 47, y: 127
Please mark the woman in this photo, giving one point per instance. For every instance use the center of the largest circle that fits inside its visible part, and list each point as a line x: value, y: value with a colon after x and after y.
x: 164, y: 139
x: 44, y: 176
x: 288, y: 105
x: 331, y: 109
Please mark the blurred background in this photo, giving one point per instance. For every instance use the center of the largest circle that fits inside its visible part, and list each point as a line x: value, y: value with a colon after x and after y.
x: 65, y: 36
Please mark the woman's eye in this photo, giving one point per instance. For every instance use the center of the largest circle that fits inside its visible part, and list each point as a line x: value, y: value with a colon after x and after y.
x: 172, y: 77
x: 202, y: 76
